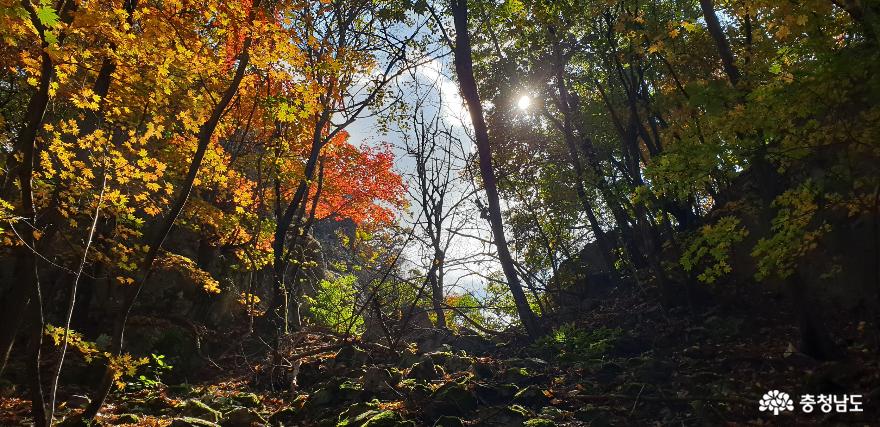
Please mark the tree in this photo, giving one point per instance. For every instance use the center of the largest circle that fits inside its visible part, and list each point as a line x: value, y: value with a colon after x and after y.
x: 468, y: 86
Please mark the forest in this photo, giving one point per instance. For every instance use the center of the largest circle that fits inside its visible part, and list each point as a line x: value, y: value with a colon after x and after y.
x: 394, y: 213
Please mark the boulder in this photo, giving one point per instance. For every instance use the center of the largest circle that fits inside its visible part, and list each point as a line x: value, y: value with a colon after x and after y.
x: 482, y: 369
x: 531, y: 396
x: 425, y: 370
x: 376, y: 380
x: 242, y: 417
x: 350, y: 356
x: 248, y: 400
x: 451, y: 399
x: 383, y: 419
x: 283, y: 417
x: 516, y: 375
x: 494, y: 394
x: 197, y: 409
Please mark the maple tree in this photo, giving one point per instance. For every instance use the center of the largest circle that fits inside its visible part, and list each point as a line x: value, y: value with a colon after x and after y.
x: 140, y: 117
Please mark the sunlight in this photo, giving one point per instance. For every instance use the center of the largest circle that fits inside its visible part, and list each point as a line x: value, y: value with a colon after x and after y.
x: 524, y: 102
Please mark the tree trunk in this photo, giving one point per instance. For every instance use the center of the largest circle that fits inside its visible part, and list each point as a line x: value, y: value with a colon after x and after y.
x: 17, y: 298
x: 721, y: 42
x: 464, y: 70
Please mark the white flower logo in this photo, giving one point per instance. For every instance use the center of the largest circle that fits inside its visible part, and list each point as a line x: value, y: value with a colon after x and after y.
x: 776, y: 401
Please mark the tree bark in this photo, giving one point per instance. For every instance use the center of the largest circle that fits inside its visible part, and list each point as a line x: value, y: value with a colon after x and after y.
x: 721, y: 42
x: 468, y: 86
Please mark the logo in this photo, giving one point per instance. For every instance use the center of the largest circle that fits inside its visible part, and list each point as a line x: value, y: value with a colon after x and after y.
x: 776, y: 401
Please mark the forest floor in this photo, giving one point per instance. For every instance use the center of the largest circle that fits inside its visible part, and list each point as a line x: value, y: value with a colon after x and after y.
x: 626, y: 362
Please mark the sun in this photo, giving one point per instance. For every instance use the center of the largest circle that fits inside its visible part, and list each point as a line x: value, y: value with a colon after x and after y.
x: 524, y: 102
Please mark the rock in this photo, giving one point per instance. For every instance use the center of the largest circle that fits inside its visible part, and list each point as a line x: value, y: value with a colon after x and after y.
x: 356, y: 412
x: 516, y: 375
x: 350, y: 390
x: 531, y: 363
x: 531, y: 396
x: 157, y: 403
x: 242, y: 417
x: 439, y: 357
x: 192, y: 422
x: 356, y: 419
x: 248, y: 400
x: 456, y: 363
x: 552, y: 412
x: 511, y: 416
x: 425, y: 370
x: 383, y: 419
x: 283, y: 417
x: 448, y: 421
x: 408, y: 358
x: 593, y: 415
x: 376, y: 380
x: 196, y: 409
x: 539, y: 422
x: 451, y: 399
x: 482, y: 369
x: 420, y: 391
x: 493, y: 395
x: 322, y: 397
x: 77, y: 401
x: 126, y: 419
x: 351, y: 356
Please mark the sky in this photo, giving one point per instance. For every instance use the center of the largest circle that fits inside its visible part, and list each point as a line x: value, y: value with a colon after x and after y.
x: 442, y: 97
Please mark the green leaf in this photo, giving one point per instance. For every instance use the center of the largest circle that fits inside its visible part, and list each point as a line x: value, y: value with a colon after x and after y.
x: 47, y: 16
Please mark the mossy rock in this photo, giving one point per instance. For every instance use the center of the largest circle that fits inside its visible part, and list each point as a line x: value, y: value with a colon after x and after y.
x: 384, y: 419
x: 376, y: 379
x: 482, y: 370
x: 439, y: 357
x: 456, y: 363
x: 516, y: 375
x: 518, y: 410
x: 539, y: 422
x: 425, y: 370
x: 448, y: 421
x: 242, y: 417
x: 351, y: 356
x: 491, y: 394
x: 420, y: 391
x: 531, y: 396
x: 322, y: 397
x: 451, y: 399
x: 283, y: 417
x: 248, y: 400
x: 197, y: 409
x: 192, y: 422
x: 408, y: 358
x: 530, y: 363
x: 356, y: 411
x: 508, y: 416
x: 350, y: 390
